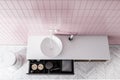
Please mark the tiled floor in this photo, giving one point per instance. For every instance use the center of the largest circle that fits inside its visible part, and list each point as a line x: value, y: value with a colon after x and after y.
x: 83, y: 70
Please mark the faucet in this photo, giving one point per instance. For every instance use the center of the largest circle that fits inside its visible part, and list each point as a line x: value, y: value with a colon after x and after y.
x: 71, y: 37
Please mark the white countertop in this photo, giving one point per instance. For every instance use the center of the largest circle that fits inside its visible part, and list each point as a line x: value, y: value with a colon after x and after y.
x: 81, y: 48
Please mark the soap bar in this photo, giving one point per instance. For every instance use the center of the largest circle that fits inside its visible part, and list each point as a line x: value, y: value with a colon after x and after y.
x: 67, y: 65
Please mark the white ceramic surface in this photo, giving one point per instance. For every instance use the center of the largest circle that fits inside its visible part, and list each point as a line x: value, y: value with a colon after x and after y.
x: 51, y: 46
x: 81, y: 48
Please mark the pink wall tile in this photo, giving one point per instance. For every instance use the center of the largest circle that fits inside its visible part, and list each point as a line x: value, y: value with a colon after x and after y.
x: 22, y: 18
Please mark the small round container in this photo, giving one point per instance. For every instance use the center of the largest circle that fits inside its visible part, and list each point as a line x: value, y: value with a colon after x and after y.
x: 34, y: 66
x: 48, y: 65
x: 40, y: 67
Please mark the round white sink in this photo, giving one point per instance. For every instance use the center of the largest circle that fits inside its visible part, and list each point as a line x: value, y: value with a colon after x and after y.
x: 51, y: 46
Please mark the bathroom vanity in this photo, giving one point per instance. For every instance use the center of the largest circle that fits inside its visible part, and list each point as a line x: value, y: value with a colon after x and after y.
x: 59, y: 52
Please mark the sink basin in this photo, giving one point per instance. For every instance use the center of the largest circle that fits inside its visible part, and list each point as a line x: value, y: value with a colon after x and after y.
x: 51, y: 46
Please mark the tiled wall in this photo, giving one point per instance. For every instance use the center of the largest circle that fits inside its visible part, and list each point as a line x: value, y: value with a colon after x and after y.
x: 21, y: 18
